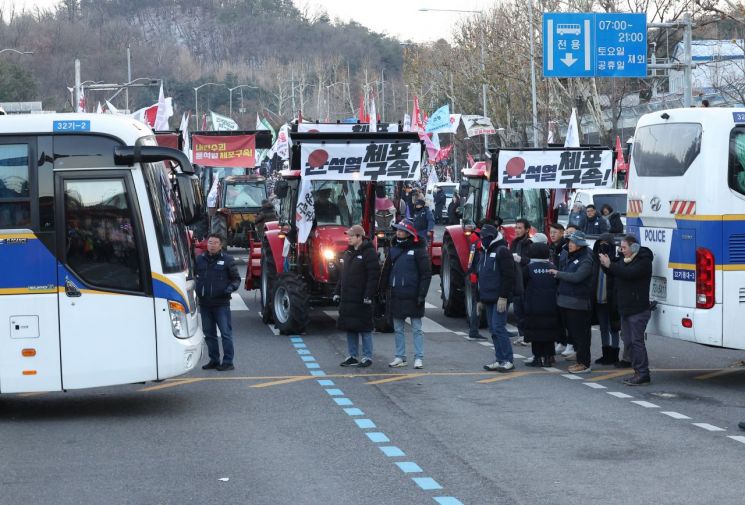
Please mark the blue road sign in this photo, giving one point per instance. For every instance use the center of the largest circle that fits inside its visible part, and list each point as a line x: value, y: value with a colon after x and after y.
x: 594, y: 45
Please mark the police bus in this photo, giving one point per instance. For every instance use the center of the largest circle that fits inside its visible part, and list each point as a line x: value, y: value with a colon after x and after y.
x: 687, y: 204
x: 95, y: 266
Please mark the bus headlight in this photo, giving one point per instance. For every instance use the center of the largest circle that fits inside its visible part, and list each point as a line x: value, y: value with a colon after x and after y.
x: 328, y: 254
x: 179, y: 323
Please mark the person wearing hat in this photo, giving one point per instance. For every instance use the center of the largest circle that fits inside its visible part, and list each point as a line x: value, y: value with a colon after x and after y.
x: 542, y: 323
x: 422, y: 218
x: 265, y: 215
x: 440, y: 199
x: 407, y: 272
x: 495, y: 270
x: 574, y: 294
x: 354, y: 293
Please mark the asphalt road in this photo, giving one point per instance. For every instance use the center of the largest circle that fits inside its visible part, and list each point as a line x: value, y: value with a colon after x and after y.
x: 289, y: 426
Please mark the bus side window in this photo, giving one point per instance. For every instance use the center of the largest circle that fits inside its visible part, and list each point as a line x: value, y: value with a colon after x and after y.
x: 15, y: 197
x: 737, y: 160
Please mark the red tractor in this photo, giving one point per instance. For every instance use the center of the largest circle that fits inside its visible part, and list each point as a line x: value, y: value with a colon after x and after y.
x: 482, y: 200
x: 343, y: 170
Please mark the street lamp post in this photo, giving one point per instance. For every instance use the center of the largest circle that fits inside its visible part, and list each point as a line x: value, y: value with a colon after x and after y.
x: 11, y: 50
x: 483, y: 63
x: 230, y: 108
x: 196, y: 100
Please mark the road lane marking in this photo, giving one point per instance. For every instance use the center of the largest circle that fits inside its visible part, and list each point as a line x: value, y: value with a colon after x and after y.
x: 282, y: 381
x: 619, y: 395
x: 377, y: 437
x: 594, y: 385
x: 486, y: 344
x: 237, y: 304
x: 426, y: 483
x: 739, y: 438
x: 447, y: 500
x: 572, y: 377
x: 171, y: 384
x: 343, y: 402
x: 428, y: 305
x: 518, y: 356
x: 507, y: 376
x: 708, y: 427
x: 364, y: 424
x: 675, y: 415
x: 392, y: 451
x: 395, y: 379
x: 718, y: 373
x: 430, y: 326
x: 461, y: 333
x: 353, y: 411
x: 324, y: 382
x: 646, y: 405
x: 334, y: 392
x: 610, y: 375
x: 409, y: 467
x: 552, y: 369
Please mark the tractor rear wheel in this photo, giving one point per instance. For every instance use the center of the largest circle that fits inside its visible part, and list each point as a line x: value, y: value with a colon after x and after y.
x: 452, y: 281
x: 290, y: 304
x: 268, y: 279
x: 470, y: 293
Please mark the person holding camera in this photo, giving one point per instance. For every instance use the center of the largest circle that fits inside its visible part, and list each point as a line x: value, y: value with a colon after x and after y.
x: 407, y: 272
x: 354, y: 294
x: 632, y: 274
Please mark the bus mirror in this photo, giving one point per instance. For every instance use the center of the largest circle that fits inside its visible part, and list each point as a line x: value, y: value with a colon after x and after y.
x: 280, y: 189
x: 190, y: 196
x: 129, y: 155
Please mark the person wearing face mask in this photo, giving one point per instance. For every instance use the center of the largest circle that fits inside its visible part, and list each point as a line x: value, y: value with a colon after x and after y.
x: 407, y: 272
x: 604, y: 303
x: 495, y: 270
x: 422, y: 218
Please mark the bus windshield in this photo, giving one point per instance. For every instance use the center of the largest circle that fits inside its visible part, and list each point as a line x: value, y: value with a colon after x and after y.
x: 169, y: 225
x: 338, y: 202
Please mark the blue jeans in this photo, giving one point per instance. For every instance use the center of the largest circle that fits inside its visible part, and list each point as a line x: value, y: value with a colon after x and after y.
x: 608, y: 336
x: 473, y: 321
x: 416, y: 329
x: 500, y: 335
x: 212, y: 319
x: 353, y: 344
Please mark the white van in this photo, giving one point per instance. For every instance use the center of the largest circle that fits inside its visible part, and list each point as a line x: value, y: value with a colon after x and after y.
x: 687, y: 204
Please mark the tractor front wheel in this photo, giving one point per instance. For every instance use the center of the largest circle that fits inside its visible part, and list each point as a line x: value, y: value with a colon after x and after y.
x: 268, y: 279
x: 452, y: 281
x: 290, y: 304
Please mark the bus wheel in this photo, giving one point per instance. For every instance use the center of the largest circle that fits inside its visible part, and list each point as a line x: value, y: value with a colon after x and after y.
x: 268, y: 279
x: 290, y: 304
x: 452, y: 281
x: 469, y: 288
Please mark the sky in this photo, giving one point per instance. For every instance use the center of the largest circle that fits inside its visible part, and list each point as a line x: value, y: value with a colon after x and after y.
x: 399, y: 18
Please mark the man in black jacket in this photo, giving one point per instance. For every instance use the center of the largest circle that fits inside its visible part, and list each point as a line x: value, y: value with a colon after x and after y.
x: 633, y: 274
x: 440, y: 198
x: 407, y: 272
x: 595, y: 223
x: 519, y: 249
x: 495, y: 269
x: 354, y: 293
x: 216, y: 277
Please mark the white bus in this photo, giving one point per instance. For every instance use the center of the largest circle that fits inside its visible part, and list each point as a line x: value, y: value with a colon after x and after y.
x: 687, y: 204
x: 95, y: 266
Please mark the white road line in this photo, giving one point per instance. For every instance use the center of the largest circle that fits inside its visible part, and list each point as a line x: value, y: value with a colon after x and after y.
x: 510, y: 328
x: 518, y: 356
x: 428, y: 305
x: 552, y: 369
x: 430, y: 326
x: 619, y: 395
x: 462, y: 333
x: 646, y: 405
x: 237, y: 303
x: 572, y: 377
x: 739, y: 438
x: 486, y: 344
x: 675, y: 415
x: 594, y: 385
x: 708, y: 427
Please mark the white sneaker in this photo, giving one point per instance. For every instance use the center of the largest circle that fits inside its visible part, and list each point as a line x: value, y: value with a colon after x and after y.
x: 568, y: 351
x: 505, y: 366
x: 559, y: 348
x: 529, y: 360
x: 492, y: 367
x: 397, y: 363
x: 523, y: 342
x: 519, y: 341
x: 418, y: 363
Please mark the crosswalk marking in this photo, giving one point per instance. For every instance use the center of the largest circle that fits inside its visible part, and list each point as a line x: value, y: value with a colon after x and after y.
x: 237, y: 303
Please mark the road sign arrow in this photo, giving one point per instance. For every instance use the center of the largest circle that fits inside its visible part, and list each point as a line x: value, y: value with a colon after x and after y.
x: 569, y: 60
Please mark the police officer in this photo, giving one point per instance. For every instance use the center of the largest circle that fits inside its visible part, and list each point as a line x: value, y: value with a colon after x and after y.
x: 217, y: 277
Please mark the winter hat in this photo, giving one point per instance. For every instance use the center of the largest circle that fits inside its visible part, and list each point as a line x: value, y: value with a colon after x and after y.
x: 539, y: 250
x: 539, y: 238
x: 408, y: 226
x: 488, y: 234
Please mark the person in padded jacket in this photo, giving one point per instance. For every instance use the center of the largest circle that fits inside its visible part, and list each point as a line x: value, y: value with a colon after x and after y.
x: 407, y: 272
x: 216, y: 278
x: 542, y: 322
x: 354, y: 293
x: 495, y: 269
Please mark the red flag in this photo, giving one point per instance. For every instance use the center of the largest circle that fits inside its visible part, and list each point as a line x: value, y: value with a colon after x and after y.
x: 416, y: 117
x: 621, y: 165
x: 150, y: 114
x: 444, y: 153
x: 431, y: 149
x: 361, y: 115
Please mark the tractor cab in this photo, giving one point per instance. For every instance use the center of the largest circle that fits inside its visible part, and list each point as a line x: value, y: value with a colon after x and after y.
x: 238, y: 203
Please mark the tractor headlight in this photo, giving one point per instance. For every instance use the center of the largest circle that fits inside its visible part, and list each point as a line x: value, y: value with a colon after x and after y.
x: 179, y: 322
x: 328, y: 254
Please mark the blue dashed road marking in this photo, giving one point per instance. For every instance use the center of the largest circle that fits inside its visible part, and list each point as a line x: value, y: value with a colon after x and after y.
x: 409, y: 467
x: 426, y: 483
x: 391, y: 451
x: 365, y: 423
x: 377, y: 437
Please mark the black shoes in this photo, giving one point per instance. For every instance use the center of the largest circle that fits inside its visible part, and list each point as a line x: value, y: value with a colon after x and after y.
x: 366, y: 362
x: 622, y: 364
x: 350, y: 362
x: 211, y: 366
x: 637, y: 380
x: 610, y: 356
x: 225, y: 367
x: 741, y: 425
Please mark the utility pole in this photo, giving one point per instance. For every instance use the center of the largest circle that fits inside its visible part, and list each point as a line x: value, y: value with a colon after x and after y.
x: 456, y: 173
x: 532, y: 77
x: 483, y: 88
x: 382, y: 93
x: 129, y: 76
x: 687, y: 64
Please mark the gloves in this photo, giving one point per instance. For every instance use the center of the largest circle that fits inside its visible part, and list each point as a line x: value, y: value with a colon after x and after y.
x: 420, y: 301
x: 367, y: 301
x: 502, y: 305
x: 336, y: 299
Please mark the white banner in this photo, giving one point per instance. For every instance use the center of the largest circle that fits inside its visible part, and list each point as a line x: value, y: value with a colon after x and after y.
x: 379, y: 161
x: 478, y: 125
x: 305, y: 211
x: 345, y: 127
x: 454, y: 123
x: 222, y: 123
x: 556, y: 169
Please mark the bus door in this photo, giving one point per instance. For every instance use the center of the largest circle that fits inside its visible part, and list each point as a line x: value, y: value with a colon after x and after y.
x: 29, y: 339
x: 106, y: 308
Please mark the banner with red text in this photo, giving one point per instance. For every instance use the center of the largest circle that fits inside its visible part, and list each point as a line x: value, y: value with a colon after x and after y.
x: 224, y: 150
